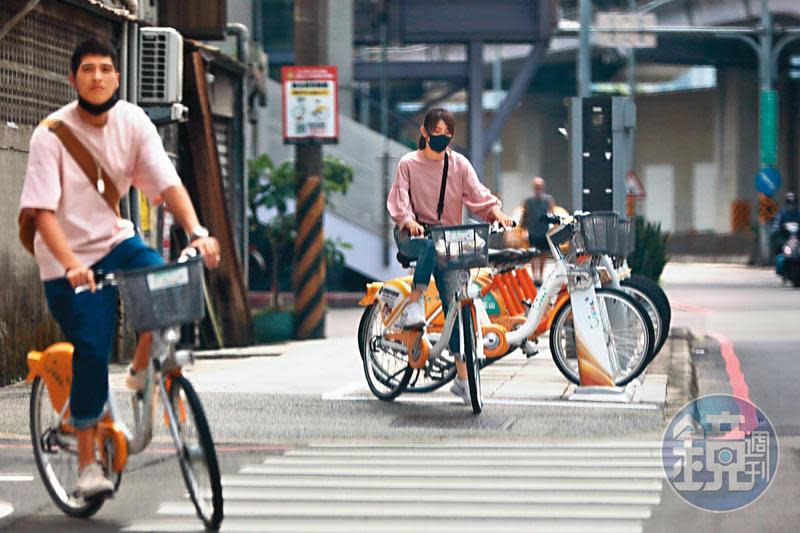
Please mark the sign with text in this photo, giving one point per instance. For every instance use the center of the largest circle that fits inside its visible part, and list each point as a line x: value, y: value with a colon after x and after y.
x: 310, y: 104
x: 626, y: 30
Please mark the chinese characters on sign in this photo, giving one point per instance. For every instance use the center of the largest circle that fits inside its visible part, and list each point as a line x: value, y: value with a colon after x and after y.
x: 310, y: 104
x: 720, y: 453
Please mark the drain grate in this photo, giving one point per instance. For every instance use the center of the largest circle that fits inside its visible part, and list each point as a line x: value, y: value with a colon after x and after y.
x: 484, y: 421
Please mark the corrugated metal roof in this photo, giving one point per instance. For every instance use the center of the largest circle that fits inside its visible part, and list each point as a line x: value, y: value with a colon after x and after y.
x: 110, y: 8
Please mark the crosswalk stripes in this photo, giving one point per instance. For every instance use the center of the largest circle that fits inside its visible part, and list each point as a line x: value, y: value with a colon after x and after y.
x: 5, y: 509
x: 464, y: 487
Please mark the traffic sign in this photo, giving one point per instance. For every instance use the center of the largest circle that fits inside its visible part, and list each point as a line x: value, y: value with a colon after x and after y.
x: 633, y: 185
x: 768, y: 181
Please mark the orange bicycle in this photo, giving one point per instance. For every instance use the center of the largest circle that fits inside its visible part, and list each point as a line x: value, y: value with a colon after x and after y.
x: 157, y: 299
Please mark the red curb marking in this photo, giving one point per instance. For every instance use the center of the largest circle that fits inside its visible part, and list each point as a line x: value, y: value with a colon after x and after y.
x: 679, y: 306
x: 738, y: 384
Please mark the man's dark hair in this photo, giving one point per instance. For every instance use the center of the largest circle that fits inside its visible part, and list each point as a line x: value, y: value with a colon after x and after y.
x: 92, y: 46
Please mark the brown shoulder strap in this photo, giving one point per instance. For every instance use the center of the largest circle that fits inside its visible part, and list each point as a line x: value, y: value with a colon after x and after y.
x: 91, y: 167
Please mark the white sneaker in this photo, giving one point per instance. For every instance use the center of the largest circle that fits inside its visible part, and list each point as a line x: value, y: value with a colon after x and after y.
x: 413, y: 316
x: 92, y: 483
x: 460, y: 389
x: 134, y: 379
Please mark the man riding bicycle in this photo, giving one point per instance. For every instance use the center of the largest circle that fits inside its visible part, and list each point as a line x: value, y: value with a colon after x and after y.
x: 432, y: 186
x: 78, y: 232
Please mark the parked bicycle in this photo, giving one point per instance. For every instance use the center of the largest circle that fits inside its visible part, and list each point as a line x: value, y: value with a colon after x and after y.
x: 157, y: 299
x: 626, y: 326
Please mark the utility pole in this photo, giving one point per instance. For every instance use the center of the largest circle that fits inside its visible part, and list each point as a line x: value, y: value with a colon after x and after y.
x: 384, y: 35
x: 309, y: 271
x: 585, y: 50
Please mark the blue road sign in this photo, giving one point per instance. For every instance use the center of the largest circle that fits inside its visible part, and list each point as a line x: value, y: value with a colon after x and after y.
x: 768, y: 181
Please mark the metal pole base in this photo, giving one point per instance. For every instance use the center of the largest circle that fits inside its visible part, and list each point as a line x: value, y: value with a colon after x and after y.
x: 606, y: 394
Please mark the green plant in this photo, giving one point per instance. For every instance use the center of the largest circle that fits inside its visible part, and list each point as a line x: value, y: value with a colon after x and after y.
x: 650, y: 253
x: 271, y: 216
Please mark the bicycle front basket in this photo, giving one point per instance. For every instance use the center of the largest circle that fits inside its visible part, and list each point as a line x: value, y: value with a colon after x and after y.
x: 599, y: 232
x: 461, y: 247
x: 163, y: 296
x: 624, y: 229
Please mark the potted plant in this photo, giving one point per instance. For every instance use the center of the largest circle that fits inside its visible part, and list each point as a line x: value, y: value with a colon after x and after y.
x: 272, y: 226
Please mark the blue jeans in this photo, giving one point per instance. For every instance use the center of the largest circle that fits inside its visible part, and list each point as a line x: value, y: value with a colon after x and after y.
x: 423, y: 251
x: 89, y: 322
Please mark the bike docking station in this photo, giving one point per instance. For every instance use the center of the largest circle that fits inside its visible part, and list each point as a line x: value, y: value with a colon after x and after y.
x: 595, y: 367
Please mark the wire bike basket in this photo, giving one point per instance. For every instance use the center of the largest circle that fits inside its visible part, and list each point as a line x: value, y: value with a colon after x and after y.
x: 599, y: 232
x: 461, y: 247
x: 626, y: 237
x: 163, y: 296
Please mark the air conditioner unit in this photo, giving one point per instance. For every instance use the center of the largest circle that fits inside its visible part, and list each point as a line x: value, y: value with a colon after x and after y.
x: 160, y: 66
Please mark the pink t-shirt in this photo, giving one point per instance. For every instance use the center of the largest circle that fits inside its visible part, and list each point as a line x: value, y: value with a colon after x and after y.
x: 415, y: 192
x: 129, y: 149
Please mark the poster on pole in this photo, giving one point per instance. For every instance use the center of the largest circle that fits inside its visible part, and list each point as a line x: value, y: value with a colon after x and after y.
x: 310, y: 104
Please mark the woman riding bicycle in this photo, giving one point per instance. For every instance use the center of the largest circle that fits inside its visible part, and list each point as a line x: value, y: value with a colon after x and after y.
x: 432, y: 186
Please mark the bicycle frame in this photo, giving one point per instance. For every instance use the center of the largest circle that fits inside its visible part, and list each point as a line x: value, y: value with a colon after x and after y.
x: 54, y: 367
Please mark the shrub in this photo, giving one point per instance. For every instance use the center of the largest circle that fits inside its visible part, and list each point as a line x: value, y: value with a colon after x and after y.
x: 650, y: 253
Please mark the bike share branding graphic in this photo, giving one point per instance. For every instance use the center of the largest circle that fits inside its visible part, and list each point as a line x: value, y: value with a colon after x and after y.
x: 720, y: 453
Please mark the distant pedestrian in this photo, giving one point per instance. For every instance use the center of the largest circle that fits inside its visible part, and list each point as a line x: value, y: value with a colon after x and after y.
x: 535, y: 207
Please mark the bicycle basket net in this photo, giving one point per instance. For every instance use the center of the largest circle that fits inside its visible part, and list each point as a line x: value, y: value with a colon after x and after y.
x: 163, y: 296
x: 461, y: 247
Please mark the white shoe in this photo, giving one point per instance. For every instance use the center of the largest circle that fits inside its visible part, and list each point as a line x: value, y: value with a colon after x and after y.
x: 460, y: 389
x: 92, y: 483
x: 413, y: 316
x: 134, y: 379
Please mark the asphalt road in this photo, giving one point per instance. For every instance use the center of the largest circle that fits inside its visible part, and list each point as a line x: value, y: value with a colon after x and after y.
x: 296, y: 456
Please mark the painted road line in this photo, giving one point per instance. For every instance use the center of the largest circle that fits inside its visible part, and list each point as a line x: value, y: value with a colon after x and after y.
x: 444, y: 472
x: 453, y: 453
x: 336, y: 510
x: 475, y: 462
x: 5, y: 509
x: 15, y: 478
x: 450, y: 483
x: 543, y: 495
x: 394, y: 526
x: 486, y: 445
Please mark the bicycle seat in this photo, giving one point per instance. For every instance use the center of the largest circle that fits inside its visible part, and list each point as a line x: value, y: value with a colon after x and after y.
x: 529, y: 253
x: 404, y: 260
x: 504, y: 257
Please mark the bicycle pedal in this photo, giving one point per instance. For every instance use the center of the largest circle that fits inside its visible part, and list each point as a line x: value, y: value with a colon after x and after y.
x: 534, y: 353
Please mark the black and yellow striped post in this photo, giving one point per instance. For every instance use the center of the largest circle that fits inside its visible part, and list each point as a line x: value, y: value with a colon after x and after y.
x: 309, y: 271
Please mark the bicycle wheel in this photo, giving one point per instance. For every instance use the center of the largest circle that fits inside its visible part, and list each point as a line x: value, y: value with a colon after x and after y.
x: 56, y: 454
x: 198, y: 458
x: 644, y: 295
x: 659, y: 297
x: 387, y: 371
x: 432, y: 378
x: 630, y: 334
x: 472, y: 360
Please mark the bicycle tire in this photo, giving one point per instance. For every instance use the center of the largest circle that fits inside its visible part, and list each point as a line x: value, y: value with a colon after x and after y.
x: 211, y: 517
x: 56, y: 489
x: 563, y: 316
x: 385, y: 383
x: 652, y: 292
x: 472, y: 362
x: 362, y: 328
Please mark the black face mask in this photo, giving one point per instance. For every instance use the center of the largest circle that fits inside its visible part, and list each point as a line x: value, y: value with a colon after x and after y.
x: 98, y: 109
x: 438, y: 142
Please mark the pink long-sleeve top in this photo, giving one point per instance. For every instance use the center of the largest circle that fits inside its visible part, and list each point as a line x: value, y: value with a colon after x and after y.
x: 415, y: 192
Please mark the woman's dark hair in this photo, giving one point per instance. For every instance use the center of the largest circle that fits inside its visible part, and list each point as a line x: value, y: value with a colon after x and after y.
x: 92, y: 46
x: 432, y: 118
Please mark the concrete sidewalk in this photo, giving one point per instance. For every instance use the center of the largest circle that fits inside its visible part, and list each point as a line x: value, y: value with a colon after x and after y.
x: 332, y: 367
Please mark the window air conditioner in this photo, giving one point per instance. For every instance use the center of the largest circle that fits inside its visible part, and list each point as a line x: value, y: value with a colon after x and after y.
x: 160, y: 66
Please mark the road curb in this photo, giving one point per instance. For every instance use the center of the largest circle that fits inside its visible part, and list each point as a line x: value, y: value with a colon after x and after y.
x: 266, y: 350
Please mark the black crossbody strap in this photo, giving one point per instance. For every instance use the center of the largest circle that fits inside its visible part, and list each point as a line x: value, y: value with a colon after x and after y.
x: 440, y: 206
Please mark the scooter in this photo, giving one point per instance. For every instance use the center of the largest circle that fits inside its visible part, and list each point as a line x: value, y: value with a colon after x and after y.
x: 787, y: 263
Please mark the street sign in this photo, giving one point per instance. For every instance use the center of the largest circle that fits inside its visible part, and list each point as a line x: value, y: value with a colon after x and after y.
x: 633, y: 185
x: 768, y: 181
x: 635, y: 38
x: 310, y: 104
x: 768, y: 120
